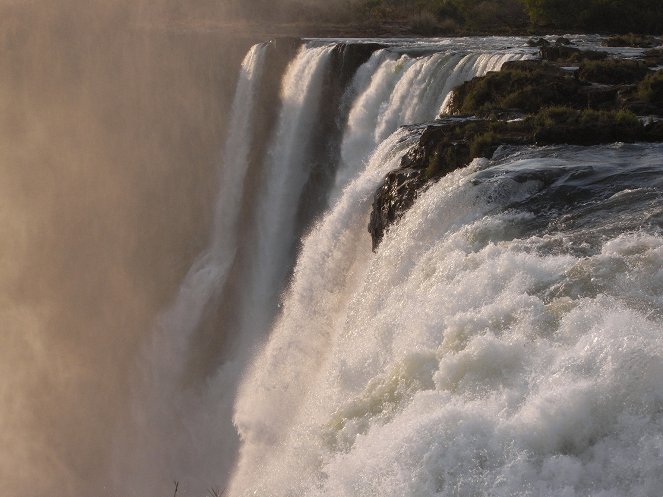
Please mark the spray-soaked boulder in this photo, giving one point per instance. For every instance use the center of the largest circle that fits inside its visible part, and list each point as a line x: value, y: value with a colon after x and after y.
x: 564, y: 53
x: 347, y: 57
x: 396, y: 195
x: 441, y: 149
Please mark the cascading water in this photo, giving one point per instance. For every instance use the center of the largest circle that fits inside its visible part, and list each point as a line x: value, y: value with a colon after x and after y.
x: 332, y: 258
x: 286, y: 176
x: 392, y: 90
x: 162, y: 401
x: 500, y: 341
x: 208, y: 273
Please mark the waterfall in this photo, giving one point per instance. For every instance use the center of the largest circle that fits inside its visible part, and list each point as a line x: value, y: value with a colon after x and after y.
x: 392, y: 90
x: 331, y: 259
x: 486, y: 348
x: 286, y: 175
x: 254, y: 242
x: 207, y: 275
x: 437, y: 365
x: 161, y: 404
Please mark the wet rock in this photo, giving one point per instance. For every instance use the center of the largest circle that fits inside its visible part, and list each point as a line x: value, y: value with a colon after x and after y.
x: 326, y: 136
x: 538, y: 42
x: 349, y: 56
x: 613, y: 71
x: 396, y: 195
x: 569, y: 54
x: 437, y: 153
x: 632, y: 40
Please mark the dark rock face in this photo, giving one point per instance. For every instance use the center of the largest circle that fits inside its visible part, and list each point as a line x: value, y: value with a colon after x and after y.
x: 396, y: 195
x: 435, y: 155
x: 538, y: 42
x: 542, y: 42
x: 348, y: 57
x: 561, y: 40
x: 561, y: 52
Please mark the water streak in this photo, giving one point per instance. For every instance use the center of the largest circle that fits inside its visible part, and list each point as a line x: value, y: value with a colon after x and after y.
x: 286, y: 175
x: 404, y: 90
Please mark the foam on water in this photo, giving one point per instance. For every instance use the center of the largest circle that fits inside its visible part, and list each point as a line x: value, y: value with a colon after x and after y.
x: 333, y: 258
x: 481, y: 352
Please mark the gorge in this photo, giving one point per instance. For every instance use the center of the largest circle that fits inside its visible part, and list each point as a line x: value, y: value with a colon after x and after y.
x: 327, y: 266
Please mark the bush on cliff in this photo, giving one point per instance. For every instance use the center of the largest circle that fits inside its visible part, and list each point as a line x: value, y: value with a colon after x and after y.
x: 617, y: 16
x: 521, y: 87
x: 586, y: 127
x: 613, y: 71
x: 650, y: 89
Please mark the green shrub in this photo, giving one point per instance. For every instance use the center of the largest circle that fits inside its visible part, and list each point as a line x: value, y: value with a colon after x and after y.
x: 551, y: 116
x: 613, y: 71
x: 484, y: 144
x: 424, y: 23
x: 591, y: 116
x: 651, y: 88
x: 626, y: 118
x: 433, y: 165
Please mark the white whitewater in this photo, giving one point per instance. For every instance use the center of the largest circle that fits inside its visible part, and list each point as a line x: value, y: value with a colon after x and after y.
x: 472, y: 354
x: 486, y: 348
x: 147, y: 459
x: 333, y: 257
x: 286, y: 175
x: 392, y: 90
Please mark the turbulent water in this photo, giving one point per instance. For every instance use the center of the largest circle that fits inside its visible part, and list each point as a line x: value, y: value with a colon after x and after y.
x: 506, y: 338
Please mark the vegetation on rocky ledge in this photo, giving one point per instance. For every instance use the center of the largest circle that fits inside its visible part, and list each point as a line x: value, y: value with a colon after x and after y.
x: 429, y: 17
x: 616, y: 16
x: 537, y: 102
x: 573, y: 79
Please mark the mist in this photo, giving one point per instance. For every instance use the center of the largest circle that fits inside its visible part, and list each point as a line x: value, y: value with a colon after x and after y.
x: 111, y: 127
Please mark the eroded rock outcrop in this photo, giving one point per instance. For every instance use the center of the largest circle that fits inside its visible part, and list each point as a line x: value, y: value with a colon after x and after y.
x: 435, y: 154
x: 555, y: 106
